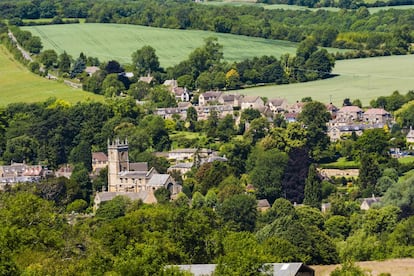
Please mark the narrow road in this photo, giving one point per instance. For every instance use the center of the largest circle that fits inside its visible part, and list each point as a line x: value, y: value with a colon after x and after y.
x: 26, y: 55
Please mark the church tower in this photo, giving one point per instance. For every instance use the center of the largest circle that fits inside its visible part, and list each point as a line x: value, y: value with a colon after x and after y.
x: 118, y: 162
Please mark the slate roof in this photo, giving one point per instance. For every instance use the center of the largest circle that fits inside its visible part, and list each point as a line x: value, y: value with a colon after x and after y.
x: 139, y: 166
x: 158, y: 180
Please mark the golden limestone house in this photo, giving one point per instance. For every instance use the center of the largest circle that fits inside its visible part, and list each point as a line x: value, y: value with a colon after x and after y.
x: 132, y: 180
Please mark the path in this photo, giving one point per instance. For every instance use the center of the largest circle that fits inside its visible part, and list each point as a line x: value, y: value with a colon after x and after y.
x: 26, y: 55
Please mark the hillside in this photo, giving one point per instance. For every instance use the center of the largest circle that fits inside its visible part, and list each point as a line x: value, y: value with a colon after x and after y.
x: 20, y: 85
x: 172, y: 46
x: 363, y: 79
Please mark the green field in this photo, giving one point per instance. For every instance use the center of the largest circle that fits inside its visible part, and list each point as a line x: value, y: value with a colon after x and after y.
x: 17, y: 84
x: 119, y: 41
x: 363, y: 79
x: 302, y: 8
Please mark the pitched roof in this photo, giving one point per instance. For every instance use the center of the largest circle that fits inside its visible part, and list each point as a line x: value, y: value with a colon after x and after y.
x: 351, y: 108
x: 139, y: 166
x: 99, y: 156
x: 158, y: 180
x: 376, y: 111
x: 211, y: 95
x: 263, y: 203
x: 277, y: 102
x: 331, y: 107
x: 172, y: 83
x: 250, y: 99
x: 410, y: 134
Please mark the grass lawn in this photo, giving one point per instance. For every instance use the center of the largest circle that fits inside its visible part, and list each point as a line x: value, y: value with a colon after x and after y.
x: 17, y: 84
x: 341, y: 163
x: 119, y: 41
x: 363, y: 79
x: 406, y: 159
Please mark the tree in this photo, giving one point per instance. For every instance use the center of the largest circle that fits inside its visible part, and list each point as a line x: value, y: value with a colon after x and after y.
x: 319, y: 65
x: 49, y: 58
x: 239, y: 212
x: 315, y: 116
x: 372, y: 141
x: 232, y: 79
x: 369, y: 173
x: 64, y: 62
x: 313, y: 188
x: 225, y: 128
x: 267, y: 172
x: 78, y: 67
x: 111, y: 86
x: 113, y: 209
x: 33, y: 45
x: 145, y: 60
x: 192, y: 118
x: 243, y: 255
x: 82, y: 153
x: 21, y: 149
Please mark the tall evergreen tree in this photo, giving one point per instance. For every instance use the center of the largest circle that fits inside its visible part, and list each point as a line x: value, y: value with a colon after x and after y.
x: 313, y: 188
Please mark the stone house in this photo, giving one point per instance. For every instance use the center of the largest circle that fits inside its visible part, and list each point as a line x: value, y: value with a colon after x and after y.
x: 99, y: 161
x: 21, y: 172
x: 208, y: 97
x: 349, y: 114
x: 252, y: 102
x: 410, y: 137
x: 278, y: 105
x: 376, y: 116
x: 230, y: 99
x: 368, y: 202
x: 203, y: 112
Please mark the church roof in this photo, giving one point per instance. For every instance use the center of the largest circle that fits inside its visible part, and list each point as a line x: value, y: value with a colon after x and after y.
x: 158, y: 180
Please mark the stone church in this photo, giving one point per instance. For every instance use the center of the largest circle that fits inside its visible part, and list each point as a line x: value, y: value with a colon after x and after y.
x: 133, y: 180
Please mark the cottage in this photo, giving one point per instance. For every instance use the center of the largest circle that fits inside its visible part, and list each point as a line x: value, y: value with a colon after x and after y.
x: 181, y: 94
x: 278, y: 105
x: 368, y: 202
x: 203, y: 112
x: 182, y: 168
x: 208, y: 97
x: 90, y: 70
x: 332, y: 109
x: 230, y: 99
x: 349, y: 113
x: 252, y: 102
x: 376, y: 116
x: 263, y: 205
x: 410, y: 137
x: 21, y: 172
x: 99, y: 161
